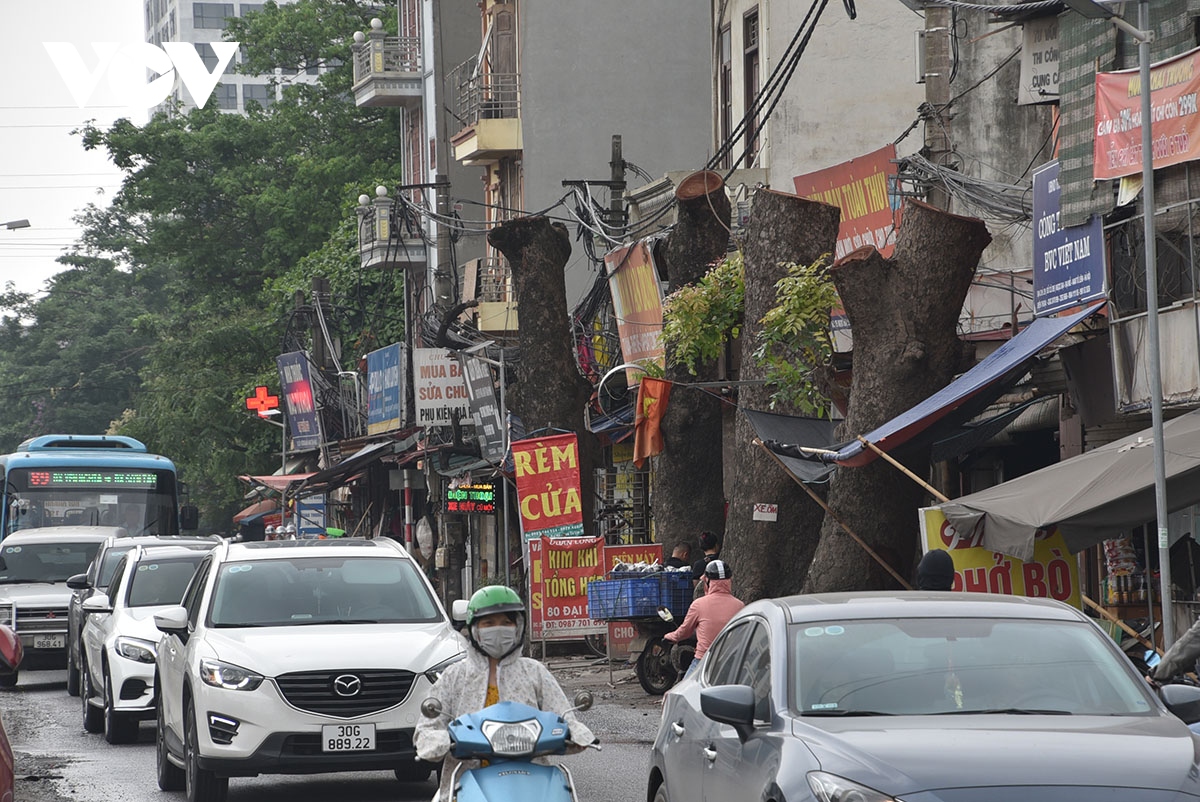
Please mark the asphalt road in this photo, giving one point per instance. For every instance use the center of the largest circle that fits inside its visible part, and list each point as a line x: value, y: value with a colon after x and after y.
x: 57, y: 761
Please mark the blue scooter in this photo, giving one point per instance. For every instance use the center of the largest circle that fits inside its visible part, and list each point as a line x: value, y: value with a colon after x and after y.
x: 509, y: 735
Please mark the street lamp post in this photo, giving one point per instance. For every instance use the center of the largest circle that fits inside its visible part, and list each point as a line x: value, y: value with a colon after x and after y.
x: 1144, y: 36
x: 267, y: 416
x: 473, y: 351
x: 11, y: 224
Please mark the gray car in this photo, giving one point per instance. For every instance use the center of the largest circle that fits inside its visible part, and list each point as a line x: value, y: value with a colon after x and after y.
x: 921, y: 697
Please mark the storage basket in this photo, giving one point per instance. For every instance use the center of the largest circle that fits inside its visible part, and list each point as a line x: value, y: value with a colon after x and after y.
x: 639, y: 595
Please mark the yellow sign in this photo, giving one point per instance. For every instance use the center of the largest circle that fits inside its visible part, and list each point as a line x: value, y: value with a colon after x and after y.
x: 1052, y: 573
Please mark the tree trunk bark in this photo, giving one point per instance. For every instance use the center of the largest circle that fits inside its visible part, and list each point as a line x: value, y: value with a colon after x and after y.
x: 770, y: 558
x: 904, y: 315
x: 689, y: 491
x: 548, y: 392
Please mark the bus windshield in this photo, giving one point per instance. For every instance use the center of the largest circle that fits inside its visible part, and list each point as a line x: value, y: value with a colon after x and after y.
x: 140, y: 499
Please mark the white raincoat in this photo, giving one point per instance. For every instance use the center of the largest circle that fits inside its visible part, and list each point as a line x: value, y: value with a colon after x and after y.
x: 462, y: 689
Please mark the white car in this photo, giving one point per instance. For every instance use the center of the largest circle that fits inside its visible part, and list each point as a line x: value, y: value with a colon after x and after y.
x: 34, y: 567
x: 297, y: 657
x: 119, y: 638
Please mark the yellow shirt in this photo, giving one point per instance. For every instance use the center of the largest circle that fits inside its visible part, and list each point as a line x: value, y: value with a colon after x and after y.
x: 493, y: 696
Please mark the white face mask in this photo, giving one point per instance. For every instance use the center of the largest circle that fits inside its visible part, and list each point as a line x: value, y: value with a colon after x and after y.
x: 496, y: 641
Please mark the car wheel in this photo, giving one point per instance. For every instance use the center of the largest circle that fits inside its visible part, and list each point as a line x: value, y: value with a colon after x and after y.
x: 119, y: 728
x: 72, y: 675
x: 201, y: 784
x: 417, y: 772
x: 170, y: 776
x: 660, y: 793
x: 93, y: 717
x: 8, y: 679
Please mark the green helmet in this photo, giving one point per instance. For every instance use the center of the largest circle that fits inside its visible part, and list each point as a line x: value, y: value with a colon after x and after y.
x: 493, y: 599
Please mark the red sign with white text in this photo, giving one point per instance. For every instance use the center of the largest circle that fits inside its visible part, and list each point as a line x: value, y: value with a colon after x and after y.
x: 862, y: 189
x: 560, y: 570
x: 548, y: 492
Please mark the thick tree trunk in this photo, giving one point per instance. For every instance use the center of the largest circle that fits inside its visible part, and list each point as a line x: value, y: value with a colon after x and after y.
x: 770, y: 558
x: 689, y: 493
x: 549, y: 392
x: 904, y: 314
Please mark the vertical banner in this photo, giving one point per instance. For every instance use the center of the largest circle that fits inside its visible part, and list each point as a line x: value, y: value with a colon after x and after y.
x: 485, y: 409
x: 438, y: 387
x: 548, y: 490
x: 560, y: 570
x: 1175, y: 123
x: 863, y: 189
x: 385, y: 389
x: 1068, y: 263
x: 1053, y: 572
x: 637, y: 303
x: 302, y: 414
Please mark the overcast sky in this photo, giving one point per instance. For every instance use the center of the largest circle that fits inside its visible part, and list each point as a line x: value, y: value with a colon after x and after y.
x: 45, y: 175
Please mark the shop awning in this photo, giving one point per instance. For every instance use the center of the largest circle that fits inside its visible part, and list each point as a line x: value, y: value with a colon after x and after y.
x: 267, y: 505
x: 781, y: 433
x: 1095, y: 496
x: 969, y: 394
x: 275, y: 481
x: 337, y: 475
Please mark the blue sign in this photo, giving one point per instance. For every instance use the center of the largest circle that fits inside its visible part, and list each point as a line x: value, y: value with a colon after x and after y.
x: 298, y: 400
x: 1068, y: 263
x: 385, y: 389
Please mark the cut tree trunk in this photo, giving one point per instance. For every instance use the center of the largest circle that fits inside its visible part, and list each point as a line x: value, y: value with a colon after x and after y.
x: 689, y: 491
x: 770, y: 558
x: 903, y: 312
x: 548, y: 392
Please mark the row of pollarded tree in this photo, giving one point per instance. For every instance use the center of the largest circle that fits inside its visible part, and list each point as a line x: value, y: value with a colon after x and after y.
x: 903, y: 311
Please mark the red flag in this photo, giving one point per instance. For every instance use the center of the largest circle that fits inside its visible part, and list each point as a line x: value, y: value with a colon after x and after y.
x: 651, y: 405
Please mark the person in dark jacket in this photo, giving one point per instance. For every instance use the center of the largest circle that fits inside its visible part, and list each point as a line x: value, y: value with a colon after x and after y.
x: 681, y: 556
x: 936, y: 571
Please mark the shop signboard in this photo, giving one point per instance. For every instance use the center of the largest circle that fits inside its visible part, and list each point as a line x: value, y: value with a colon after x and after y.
x: 1068, y: 263
x: 548, y: 489
x: 302, y: 414
x: 622, y: 633
x: 1052, y: 573
x: 485, y: 408
x: 474, y: 497
x: 310, y: 512
x: 637, y: 303
x: 560, y: 570
x: 1175, y: 119
x: 1039, y: 61
x: 863, y: 189
x: 438, y: 388
x: 385, y: 389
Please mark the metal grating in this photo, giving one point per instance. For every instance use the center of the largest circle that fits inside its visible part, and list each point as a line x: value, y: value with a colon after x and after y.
x: 314, y: 691
x: 623, y: 504
x: 40, y: 619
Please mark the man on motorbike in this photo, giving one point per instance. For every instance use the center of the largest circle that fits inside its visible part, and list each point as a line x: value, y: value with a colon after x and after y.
x: 493, y: 671
x: 709, y: 614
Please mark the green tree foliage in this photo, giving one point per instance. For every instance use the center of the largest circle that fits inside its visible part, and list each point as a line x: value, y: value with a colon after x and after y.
x: 180, y: 293
x: 794, y: 345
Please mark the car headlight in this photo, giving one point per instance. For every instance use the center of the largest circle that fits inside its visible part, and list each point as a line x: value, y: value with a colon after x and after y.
x: 512, y: 739
x: 6, y: 613
x: 435, y: 673
x: 228, y: 676
x: 136, y: 649
x: 832, y: 788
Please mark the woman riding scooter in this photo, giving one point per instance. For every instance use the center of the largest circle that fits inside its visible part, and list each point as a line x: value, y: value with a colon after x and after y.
x: 492, y: 671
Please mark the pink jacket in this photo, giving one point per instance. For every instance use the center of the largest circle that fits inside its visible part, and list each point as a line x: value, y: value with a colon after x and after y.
x: 707, y: 616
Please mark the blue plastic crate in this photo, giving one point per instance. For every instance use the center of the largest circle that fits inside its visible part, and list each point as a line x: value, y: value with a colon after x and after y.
x: 675, y: 592
x: 639, y: 595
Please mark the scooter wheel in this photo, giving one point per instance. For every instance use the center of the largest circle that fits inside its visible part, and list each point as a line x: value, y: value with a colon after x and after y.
x: 655, y: 671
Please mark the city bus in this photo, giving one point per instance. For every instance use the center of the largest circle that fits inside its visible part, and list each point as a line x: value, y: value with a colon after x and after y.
x: 91, y: 480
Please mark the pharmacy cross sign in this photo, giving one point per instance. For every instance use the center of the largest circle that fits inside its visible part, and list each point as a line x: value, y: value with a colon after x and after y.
x: 261, y: 401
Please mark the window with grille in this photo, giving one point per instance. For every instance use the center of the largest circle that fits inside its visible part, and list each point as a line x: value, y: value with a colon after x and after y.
x: 211, y: 15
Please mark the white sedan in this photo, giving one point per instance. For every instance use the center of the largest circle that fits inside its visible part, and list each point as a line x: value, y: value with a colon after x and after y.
x: 120, y: 640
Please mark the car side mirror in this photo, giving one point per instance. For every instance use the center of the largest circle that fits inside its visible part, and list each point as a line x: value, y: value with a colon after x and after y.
x: 1182, y: 700
x: 732, y: 705
x: 189, y: 517
x: 172, y: 621
x: 97, y: 603
x: 458, y: 610
x: 78, y: 582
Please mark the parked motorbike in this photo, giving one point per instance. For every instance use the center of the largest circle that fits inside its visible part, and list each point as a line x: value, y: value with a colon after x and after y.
x: 660, y: 663
x: 508, y: 736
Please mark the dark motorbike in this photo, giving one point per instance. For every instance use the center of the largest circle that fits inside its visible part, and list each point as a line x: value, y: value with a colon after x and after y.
x: 660, y: 663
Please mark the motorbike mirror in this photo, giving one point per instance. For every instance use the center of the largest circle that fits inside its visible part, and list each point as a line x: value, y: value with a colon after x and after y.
x: 666, y: 615
x: 583, y: 701
x: 431, y: 708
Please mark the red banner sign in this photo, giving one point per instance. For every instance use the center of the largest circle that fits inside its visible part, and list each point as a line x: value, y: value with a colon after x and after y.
x: 560, y: 570
x: 548, y: 491
x: 1174, y: 126
x: 861, y: 188
x: 632, y: 553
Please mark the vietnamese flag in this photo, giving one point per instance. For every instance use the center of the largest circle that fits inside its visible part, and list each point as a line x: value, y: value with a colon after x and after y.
x: 651, y: 406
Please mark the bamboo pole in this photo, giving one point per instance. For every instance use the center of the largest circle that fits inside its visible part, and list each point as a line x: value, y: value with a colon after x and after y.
x: 933, y: 491
x: 1106, y: 614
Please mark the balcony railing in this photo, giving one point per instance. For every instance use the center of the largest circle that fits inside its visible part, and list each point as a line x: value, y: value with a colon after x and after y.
x: 390, y: 236
x: 484, y: 95
x: 387, y: 69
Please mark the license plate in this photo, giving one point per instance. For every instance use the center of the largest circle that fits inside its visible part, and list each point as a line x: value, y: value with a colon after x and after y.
x: 49, y: 641
x: 347, y: 737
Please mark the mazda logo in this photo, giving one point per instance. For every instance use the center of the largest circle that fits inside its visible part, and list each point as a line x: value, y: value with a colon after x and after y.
x: 347, y: 685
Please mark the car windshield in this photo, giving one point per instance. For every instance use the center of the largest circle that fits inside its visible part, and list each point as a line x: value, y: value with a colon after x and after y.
x: 320, y: 590
x: 44, y: 562
x: 161, y: 581
x: 108, y: 563
x: 947, y: 666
